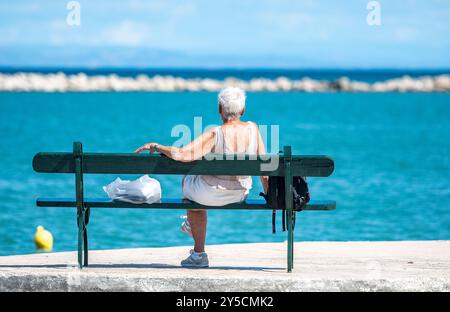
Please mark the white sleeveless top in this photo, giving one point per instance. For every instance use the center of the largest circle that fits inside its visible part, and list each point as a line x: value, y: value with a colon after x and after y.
x: 220, y: 147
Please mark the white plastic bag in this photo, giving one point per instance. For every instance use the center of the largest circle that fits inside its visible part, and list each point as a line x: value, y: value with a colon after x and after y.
x: 143, y: 190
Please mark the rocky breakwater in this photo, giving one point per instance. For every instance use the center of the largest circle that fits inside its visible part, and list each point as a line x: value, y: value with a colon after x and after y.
x: 60, y: 82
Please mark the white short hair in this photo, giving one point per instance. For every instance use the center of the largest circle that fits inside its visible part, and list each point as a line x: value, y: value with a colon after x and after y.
x: 232, y: 102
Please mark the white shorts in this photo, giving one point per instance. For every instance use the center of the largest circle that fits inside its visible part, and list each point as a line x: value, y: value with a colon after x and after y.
x: 196, y: 189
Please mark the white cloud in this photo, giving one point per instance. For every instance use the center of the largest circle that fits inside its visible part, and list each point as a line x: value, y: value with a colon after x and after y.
x: 127, y: 33
x: 405, y: 34
x: 19, y: 7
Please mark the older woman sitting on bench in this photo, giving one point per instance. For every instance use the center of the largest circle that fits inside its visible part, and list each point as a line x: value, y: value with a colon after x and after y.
x: 234, y: 136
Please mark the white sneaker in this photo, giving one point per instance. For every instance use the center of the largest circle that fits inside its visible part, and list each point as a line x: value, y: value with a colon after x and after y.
x: 186, y: 227
x: 196, y: 260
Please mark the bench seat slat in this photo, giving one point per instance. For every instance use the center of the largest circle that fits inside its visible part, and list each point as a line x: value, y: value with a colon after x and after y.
x: 250, y: 204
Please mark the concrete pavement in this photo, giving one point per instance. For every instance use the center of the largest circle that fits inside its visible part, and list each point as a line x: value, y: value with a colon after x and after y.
x: 318, y: 266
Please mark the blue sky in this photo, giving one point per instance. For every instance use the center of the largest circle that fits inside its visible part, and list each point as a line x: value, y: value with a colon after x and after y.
x: 228, y: 33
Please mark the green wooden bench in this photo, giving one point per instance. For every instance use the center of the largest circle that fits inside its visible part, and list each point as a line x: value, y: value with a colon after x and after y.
x: 80, y: 163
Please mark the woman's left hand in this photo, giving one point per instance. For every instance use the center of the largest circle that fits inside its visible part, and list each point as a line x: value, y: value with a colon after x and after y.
x: 151, y: 147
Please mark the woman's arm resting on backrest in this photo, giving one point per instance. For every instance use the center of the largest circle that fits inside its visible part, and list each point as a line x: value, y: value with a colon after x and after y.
x: 193, y: 151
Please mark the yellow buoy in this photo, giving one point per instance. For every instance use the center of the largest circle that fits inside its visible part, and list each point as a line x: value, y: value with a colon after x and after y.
x: 43, y: 239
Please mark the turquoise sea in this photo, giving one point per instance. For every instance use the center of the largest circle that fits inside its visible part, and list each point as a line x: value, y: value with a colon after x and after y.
x: 392, y: 177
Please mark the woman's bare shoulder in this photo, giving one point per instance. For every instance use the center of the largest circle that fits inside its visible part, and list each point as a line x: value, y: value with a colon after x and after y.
x: 211, y: 132
x: 252, y: 124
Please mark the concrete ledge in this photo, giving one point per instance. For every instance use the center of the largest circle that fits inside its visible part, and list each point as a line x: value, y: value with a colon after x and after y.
x: 319, y: 266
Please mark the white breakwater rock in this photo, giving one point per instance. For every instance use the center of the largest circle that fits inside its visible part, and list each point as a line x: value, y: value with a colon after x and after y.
x: 61, y: 82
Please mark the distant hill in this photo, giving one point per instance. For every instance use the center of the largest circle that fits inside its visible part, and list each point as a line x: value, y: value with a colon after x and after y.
x: 113, y: 56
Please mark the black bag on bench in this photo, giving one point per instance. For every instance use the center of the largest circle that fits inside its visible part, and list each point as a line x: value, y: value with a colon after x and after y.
x: 275, y: 197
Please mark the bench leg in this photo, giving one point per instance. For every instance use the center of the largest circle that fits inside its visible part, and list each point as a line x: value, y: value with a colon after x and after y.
x: 289, y: 206
x: 85, y: 237
x: 80, y: 222
x: 85, y: 244
x: 290, y: 255
x: 292, y: 239
x: 290, y: 225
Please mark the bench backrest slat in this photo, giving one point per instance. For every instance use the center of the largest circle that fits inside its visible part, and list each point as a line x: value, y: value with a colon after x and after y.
x: 103, y: 163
